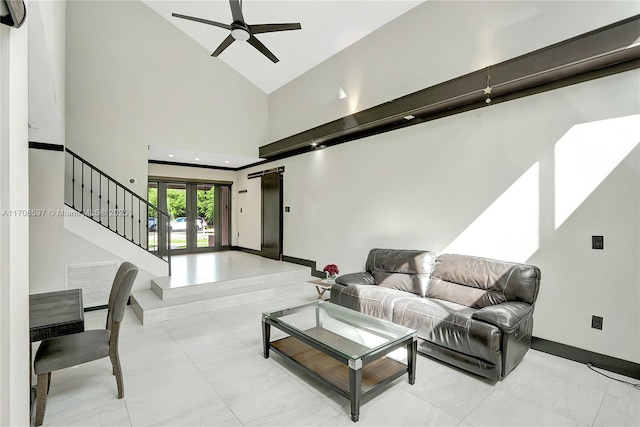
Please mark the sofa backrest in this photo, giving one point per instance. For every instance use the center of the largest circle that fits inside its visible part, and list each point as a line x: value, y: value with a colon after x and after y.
x: 406, y: 270
x: 479, y: 282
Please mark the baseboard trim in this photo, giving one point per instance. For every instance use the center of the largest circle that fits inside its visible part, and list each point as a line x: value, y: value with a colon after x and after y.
x: 608, y: 363
x: 247, y: 250
x: 45, y: 146
x: 306, y: 263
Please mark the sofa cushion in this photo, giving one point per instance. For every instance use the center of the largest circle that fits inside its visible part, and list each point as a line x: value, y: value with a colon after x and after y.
x: 450, y: 325
x: 480, y: 282
x: 375, y: 301
x: 405, y: 270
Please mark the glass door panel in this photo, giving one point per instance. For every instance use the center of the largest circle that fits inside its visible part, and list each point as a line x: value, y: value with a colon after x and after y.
x: 206, y: 217
x: 225, y: 219
x: 152, y: 216
x: 177, y: 209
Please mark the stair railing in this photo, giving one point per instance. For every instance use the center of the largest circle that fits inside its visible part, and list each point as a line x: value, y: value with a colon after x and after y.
x: 96, y: 195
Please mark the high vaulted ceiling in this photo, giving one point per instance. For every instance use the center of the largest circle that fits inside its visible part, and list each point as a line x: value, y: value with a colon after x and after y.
x: 328, y: 26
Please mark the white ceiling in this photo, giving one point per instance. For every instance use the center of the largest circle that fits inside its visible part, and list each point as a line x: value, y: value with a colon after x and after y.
x: 179, y: 155
x: 328, y: 26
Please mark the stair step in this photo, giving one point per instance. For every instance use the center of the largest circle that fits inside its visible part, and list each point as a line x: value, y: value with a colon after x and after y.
x: 171, y: 287
x: 169, y: 298
x: 150, y: 308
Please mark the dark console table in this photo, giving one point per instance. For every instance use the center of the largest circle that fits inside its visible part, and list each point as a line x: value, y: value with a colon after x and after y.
x: 52, y: 314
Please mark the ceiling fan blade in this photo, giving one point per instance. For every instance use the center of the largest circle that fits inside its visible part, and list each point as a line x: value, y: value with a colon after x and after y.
x: 270, y: 28
x: 225, y: 44
x: 236, y: 10
x: 262, y: 48
x: 204, y: 21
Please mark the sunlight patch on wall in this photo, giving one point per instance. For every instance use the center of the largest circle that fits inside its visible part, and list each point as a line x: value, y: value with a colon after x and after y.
x: 586, y: 155
x: 509, y: 228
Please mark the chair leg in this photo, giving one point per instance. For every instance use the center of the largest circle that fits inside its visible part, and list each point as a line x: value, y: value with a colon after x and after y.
x: 41, y: 397
x: 48, y: 382
x: 117, y: 371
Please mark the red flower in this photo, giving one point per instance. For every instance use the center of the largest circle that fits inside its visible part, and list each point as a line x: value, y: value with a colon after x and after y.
x: 332, y: 269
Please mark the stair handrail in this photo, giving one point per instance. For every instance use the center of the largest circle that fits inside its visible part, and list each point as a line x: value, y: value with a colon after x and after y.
x: 162, y: 227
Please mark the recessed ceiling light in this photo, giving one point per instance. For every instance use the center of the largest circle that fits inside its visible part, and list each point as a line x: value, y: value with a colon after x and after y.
x: 170, y: 155
x: 226, y: 161
x: 196, y: 159
x: 409, y: 117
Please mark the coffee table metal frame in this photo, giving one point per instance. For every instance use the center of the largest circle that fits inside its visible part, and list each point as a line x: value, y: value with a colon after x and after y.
x: 355, y: 363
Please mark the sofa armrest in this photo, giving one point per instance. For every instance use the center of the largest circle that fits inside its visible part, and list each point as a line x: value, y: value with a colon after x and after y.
x: 363, y: 278
x: 507, y: 316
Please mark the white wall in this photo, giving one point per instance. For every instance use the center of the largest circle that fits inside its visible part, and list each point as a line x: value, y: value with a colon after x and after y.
x: 14, y: 227
x: 46, y: 229
x: 134, y: 79
x: 434, y: 42
x: 491, y: 183
x: 47, y: 71
x: 530, y: 180
x: 86, y: 242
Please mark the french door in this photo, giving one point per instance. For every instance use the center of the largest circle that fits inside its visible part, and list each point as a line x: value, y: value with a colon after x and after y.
x: 198, y: 212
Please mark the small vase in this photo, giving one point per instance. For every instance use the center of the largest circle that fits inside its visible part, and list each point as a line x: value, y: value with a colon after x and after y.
x: 331, y: 277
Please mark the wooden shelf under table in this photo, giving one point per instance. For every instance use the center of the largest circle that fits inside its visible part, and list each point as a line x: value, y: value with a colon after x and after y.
x: 334, y: 371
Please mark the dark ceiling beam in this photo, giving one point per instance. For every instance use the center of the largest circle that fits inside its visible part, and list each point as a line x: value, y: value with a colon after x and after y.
x: 615, y: 47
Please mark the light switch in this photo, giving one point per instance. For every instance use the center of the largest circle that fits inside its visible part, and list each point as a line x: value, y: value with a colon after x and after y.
x: 597, y: 242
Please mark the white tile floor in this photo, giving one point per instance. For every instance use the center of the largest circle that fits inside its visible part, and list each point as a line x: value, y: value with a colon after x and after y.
x: 208, y: 370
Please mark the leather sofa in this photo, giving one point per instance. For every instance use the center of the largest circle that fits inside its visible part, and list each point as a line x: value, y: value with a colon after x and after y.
x: 473, y: 313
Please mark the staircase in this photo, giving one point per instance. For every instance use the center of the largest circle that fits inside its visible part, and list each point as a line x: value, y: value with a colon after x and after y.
x: 95, y: 195
x: 179, y: 295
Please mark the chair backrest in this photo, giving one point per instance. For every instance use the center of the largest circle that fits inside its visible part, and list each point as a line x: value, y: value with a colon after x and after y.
x: 120, y: 290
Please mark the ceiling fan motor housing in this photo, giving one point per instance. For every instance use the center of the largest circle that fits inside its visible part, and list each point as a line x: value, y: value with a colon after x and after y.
x: 240, y: 31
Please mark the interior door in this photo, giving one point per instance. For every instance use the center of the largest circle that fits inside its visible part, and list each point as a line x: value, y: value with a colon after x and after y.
x: 272, y: 215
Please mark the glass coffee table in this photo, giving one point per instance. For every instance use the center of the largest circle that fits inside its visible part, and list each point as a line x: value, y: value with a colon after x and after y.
x: 343, y: 348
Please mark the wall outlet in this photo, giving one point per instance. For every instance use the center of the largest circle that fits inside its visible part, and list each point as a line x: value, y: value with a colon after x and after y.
x: 596, y: 322
x: 597, y: 242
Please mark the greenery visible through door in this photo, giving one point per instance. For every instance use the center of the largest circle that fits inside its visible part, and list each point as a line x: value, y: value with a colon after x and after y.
x: 178, y: 205
x: 193, y: 212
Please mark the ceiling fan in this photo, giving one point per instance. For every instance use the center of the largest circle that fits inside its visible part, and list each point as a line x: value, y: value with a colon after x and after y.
x: 242, y: 31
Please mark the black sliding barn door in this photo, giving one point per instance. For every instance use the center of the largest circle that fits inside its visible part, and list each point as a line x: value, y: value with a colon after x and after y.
x: 272, y: 215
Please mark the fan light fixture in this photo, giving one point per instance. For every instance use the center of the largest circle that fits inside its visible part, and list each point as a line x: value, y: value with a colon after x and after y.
x: 240, y: 34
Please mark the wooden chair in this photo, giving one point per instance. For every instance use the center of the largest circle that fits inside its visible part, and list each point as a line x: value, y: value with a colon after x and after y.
x: 71, y: 350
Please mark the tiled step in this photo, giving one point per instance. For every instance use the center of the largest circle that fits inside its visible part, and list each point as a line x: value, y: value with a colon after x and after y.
x: 182, y: 301
x: 171, y: 287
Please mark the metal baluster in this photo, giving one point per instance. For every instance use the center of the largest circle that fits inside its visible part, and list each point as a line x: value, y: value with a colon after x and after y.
x: 73, y: 182
x: 82, y: 190
x: 116, y: 210
x: 108, y: 203
x: 139, y: 225
x: 91, y: 195
x: 100, y: 198
x: 124, y: 208
x: 132, y: 239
